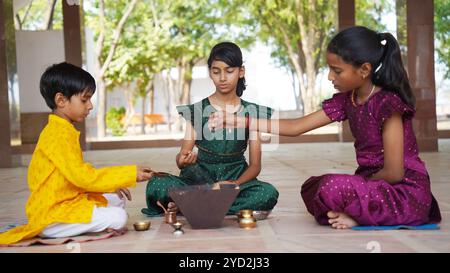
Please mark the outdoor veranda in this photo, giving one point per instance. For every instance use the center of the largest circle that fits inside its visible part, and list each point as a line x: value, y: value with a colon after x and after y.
x: 289, y: 228
x: 287, y: 164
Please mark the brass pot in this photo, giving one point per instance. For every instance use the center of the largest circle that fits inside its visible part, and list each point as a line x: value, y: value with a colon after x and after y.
x: 246, y: 219
x: 247, y: 222
x: 171, y: 217
x: 245, y: 213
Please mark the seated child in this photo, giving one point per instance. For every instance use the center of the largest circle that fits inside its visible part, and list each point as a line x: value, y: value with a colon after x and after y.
x: 69, y: 196
x: 221, y: 156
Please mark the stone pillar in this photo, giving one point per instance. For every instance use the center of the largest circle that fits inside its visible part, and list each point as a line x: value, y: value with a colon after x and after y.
x: 346, y: 18
x: 72, y: 46
x: 420, y: 32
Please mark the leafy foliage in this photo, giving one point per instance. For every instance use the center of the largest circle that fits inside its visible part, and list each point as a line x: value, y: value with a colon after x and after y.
x: 114, y: 118
x: 442, y: 32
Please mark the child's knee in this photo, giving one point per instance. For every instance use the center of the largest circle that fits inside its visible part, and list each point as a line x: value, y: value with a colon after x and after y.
x: 334, y: 183
x: 114, y: 200
x: 271, y: 194
x: 337, y: 189
x: 118, y: 218
x: 156, y: 185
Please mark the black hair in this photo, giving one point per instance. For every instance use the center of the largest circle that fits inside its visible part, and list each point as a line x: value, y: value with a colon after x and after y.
x: 358, y: 45
x: 67, y: 79
x: 230, y: 54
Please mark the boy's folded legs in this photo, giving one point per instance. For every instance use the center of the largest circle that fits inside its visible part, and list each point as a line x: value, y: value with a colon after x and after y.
x: 113, y: 216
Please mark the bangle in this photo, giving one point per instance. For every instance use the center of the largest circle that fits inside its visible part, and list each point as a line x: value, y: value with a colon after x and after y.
x: 247, y: 121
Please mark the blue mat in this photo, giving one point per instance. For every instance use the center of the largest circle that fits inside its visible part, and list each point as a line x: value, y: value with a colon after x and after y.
x: 12, y: 225
x: 421, y: 227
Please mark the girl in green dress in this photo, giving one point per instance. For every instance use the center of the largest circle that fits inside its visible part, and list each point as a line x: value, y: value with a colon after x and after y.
x: 220, y: 158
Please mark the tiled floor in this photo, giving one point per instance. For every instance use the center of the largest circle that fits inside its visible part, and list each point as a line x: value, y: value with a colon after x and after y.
x: 288, y: 229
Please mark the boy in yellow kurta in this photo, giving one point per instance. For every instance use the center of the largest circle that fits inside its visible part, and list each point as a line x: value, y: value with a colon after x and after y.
x: 68, y: 196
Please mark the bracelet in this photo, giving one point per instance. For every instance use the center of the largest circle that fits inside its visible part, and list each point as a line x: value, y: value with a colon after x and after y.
x: 247, y: 121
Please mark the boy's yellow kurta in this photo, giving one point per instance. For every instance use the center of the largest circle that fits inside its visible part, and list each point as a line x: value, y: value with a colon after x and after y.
x: 64, y: 189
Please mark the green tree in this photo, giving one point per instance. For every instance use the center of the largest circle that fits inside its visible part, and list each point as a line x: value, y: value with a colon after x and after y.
x: 107, y: 19
x: 298, y: 31
x: 39, y: 15
x: 442, y: 32
x: 143, y: 53
x: 114, y: 121
x: 369, y: 13
x: 195, y: 27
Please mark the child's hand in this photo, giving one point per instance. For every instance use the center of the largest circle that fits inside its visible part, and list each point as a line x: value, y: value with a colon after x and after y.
x: 216, y: 186
x: 186, y: 158
x: 124, y: 192
x: 222, y: 119
x: 143, y: 174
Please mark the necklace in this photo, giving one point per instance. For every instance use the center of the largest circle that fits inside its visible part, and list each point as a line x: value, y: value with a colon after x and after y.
x: 221, y: 108
x: 353, y: 96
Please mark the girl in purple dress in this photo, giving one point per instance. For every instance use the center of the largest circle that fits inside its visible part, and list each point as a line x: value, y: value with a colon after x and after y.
x: 391, y: 185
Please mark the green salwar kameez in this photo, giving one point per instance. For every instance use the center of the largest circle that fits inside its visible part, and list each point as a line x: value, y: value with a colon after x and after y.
x: 220, y: 157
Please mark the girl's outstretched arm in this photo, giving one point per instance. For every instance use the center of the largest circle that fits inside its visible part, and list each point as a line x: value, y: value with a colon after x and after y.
x: 284, y: 127
x: 393, y: 169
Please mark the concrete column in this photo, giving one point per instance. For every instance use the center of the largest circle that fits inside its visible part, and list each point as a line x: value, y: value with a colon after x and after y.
x: 420, y: 31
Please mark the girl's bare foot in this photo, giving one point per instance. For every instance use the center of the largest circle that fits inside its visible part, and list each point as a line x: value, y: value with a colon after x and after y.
x: 340, y: 220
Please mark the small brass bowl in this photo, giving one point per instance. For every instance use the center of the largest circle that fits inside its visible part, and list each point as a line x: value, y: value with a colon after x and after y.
x: 177, y: 225
x: 261, y: 214
x: 177, y: 228
x: 142, y: 225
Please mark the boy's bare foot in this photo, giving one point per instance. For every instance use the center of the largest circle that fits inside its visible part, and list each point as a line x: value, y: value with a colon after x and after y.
x: 340, y: 220
x: 121, y: 230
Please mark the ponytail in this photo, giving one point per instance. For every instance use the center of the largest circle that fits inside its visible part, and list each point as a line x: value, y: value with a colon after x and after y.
x: 240, y: 86
x: 390, y: 73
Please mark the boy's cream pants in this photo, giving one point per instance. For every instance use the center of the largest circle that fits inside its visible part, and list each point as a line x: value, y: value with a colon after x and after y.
x: 113, y: 216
